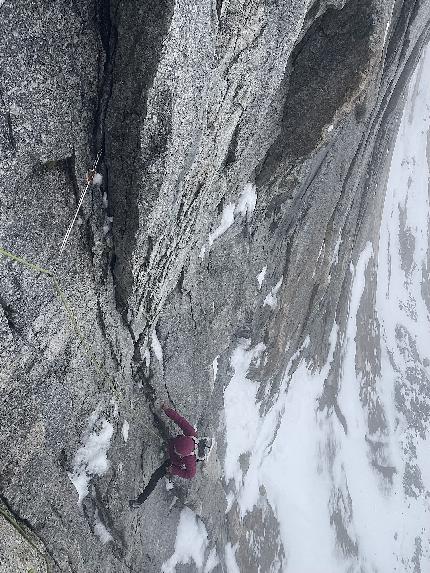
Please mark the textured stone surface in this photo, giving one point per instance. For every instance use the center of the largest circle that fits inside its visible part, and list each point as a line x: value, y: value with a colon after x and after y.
x: 187, y: 101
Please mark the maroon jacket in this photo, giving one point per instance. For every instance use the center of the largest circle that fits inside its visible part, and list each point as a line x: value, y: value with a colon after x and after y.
x: 181, y: 448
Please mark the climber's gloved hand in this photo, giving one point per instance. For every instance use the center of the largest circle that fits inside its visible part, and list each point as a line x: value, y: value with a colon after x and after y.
x: 159, y: 406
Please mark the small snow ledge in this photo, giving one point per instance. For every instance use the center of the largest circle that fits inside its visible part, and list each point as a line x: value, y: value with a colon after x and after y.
x: 212, y: 561
x: 240, y: 395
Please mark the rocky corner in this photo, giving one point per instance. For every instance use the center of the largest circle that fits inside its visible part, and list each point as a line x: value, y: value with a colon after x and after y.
x: 247, y: 257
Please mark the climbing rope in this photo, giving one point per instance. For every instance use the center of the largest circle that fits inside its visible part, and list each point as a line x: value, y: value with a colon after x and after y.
x: 70, y: 315
x: 90, y: 178
x: 75, y: 325
x: 62, y: 298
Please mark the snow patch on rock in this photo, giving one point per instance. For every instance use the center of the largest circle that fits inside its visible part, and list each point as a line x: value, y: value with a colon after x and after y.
x: 247, y: 201
x: 190, y: 544
x: 97, y: 180
x: 100, y: 530
x: 125, y: 429
x: 91, y: 458
x: 212, y: 561
x: 271, y: 299
x: 214, y: 370
x: 230, y: 558
x: 260, y: 277
x: 239, y: 396
x: 245, y: 207
x: 156, y: 347
x: 227, y: 220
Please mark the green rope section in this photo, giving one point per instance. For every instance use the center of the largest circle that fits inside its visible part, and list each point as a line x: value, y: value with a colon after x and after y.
x: 32, y: 266
x: 75, y: 325
x: 70, y: 315
x: 23, y: 533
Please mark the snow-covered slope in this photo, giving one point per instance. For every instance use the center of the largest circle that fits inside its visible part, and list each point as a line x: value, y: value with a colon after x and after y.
x: 349, y: 485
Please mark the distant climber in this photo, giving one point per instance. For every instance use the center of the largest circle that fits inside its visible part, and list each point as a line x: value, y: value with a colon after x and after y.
x: 184, y: 451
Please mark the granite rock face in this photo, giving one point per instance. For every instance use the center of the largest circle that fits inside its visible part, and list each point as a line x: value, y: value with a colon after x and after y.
x: 198, y: 109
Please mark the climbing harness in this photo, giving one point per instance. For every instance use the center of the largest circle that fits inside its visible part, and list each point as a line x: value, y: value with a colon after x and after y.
x: 89, y: 178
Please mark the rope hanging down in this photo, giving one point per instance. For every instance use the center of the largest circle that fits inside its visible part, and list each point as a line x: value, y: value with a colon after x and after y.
x: 62, y: 298
x: 84, y: 192
x: 73, y: 321
x: 70, y: 315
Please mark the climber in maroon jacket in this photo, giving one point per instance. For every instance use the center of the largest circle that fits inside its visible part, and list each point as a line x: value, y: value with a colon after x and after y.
x: 184, y: 452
